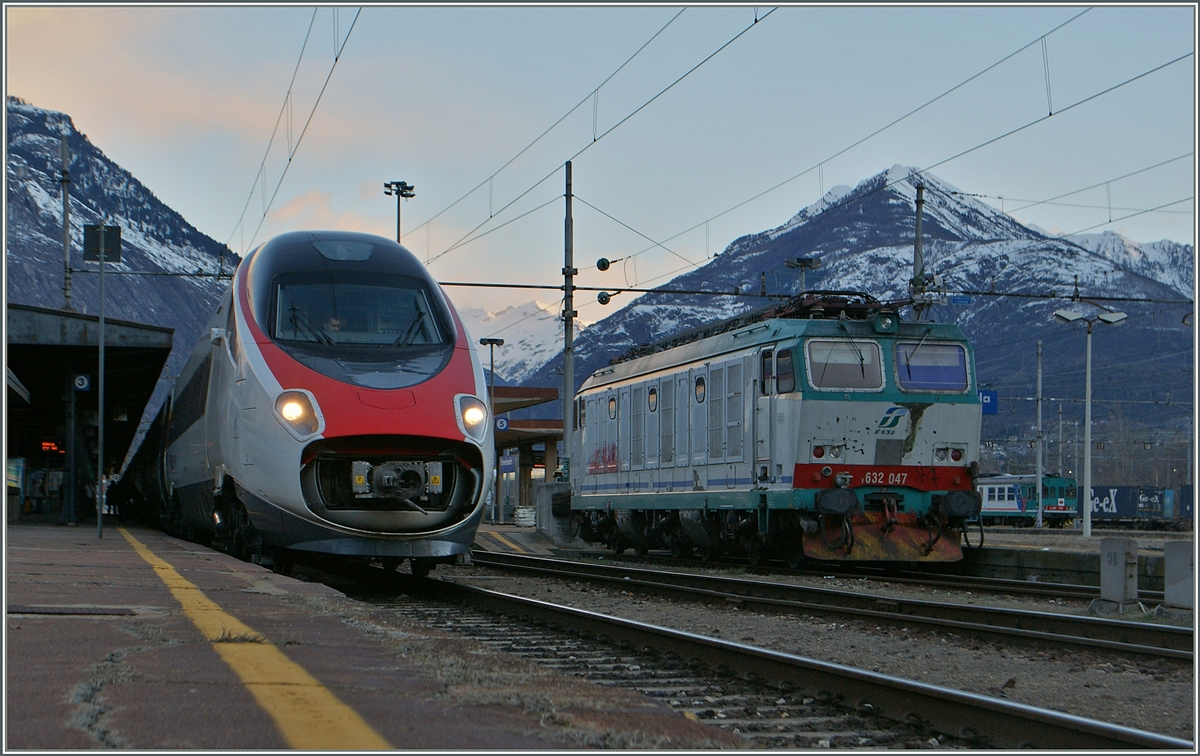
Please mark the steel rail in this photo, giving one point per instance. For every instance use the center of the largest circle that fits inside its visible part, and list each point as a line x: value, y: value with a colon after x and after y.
x: 990, y: 721
x: 998, y: 585
x: 945, y: 578
x: 1089, y: 633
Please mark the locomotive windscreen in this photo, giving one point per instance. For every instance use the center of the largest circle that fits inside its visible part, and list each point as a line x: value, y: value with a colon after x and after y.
x: 353, y: 307
x: 337, y: 308
x: 844, y: 364
x: 931, y: 367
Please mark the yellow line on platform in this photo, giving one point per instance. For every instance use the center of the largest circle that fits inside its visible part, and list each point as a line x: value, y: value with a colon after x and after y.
x: 307, y: 714
x: 501, y: 538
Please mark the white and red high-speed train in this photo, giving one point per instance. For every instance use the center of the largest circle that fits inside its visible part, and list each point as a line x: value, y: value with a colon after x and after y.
x: 334, y: 404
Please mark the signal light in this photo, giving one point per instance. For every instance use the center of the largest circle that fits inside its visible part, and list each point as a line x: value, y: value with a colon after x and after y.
x: 956, y: 455
x: 818, y: 452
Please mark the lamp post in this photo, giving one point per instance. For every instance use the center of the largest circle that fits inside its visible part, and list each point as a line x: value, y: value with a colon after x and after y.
x: 1112, y: 318
x: 491, y: 344
x: 402, y: 191
x: 803, y: 264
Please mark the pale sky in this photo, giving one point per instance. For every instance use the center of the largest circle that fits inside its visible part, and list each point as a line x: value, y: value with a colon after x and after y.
x: 186, y: 98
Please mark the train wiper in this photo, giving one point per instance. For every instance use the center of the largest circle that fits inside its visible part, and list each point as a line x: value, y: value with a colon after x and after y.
x: 299, y: 317
x: 410, y: 333
x: 862, y: 361
x: 909, y: 355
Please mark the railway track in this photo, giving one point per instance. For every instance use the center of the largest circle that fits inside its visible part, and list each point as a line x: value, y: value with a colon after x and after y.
x: 955, y: 581
x: 1043, y: 628
x: 774, y: 699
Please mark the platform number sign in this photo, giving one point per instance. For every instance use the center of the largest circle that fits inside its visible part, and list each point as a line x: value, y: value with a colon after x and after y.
x: 990, y: 401
x: 502, y: 423
x: 83, y: 383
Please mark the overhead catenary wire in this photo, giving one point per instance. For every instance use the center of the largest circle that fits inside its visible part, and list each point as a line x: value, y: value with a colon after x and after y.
x: 539, y: 137
x: 300, y: 138
x: 282, y: 109
x: 577, y: 198
x: 820, y: 164
x: 468, y: 236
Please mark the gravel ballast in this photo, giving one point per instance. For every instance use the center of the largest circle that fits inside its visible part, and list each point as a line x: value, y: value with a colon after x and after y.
x: 1147, y: 694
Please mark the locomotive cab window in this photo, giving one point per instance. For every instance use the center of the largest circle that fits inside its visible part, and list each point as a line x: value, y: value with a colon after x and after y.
x: 767, y: 363
x: 931, y: 367
x: 384, y: 311
x: 785, y: 375
x: 844, y: 364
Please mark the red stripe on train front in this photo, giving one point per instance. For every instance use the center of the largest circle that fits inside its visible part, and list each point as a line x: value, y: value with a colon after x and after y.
x: 900, y: 476
x: 425, y: 409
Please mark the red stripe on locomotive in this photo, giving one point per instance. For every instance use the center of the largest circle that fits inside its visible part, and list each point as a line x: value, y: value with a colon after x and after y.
x: 921, y: 478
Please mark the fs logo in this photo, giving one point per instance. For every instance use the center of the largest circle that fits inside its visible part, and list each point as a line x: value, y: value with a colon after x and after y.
x: 889, y: 421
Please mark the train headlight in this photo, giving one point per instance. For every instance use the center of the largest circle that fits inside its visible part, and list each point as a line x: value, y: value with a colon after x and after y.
x: 297, y: 411
x: 472, y: 416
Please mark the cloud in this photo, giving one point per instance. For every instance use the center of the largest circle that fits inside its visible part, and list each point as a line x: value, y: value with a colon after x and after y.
x: 314, y: 210
x: 136, y: 70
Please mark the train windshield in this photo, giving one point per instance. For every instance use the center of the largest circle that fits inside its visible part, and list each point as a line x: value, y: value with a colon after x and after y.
x: 931, y: 367
x: 385, y: 311
x: 847, y: 364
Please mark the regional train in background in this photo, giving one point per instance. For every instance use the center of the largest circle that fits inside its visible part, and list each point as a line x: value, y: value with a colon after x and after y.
x: 334, y: 405
x: 1010, y: 500
x: 823, y: 428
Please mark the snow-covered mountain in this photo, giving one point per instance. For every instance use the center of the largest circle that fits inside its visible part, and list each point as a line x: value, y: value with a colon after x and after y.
x: 1165, y: 261
x: 154, y: 238
x: 532, y: 335
x: 1009, y: 277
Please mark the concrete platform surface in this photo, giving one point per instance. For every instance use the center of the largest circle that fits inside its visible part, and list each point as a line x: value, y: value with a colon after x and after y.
x: 143, y: 641
x: 513, y: 539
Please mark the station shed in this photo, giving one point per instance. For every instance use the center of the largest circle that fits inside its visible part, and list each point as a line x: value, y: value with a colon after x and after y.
x: 51, y: 424
x: 522, y: 435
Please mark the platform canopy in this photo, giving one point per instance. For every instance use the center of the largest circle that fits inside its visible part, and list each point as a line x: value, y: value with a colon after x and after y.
x: 48, y: 349
x: 511, y: 398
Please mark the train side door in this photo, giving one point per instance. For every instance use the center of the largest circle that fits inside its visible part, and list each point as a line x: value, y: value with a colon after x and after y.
x: 683, y: 424
x: 623, y: 438
x: 764, y: 409
x: 698, y: 437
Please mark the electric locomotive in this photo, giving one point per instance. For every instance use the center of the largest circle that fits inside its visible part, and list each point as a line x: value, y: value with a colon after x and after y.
x: 825, y: 428
x: 335, y: 405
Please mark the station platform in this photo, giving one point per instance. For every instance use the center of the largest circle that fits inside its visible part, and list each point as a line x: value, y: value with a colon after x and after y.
x: 513, y: 539
x: 143, y: 641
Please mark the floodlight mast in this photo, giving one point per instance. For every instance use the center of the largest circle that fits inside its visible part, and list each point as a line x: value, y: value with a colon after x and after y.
x: 1085, y: 491
x: 402, y: 190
